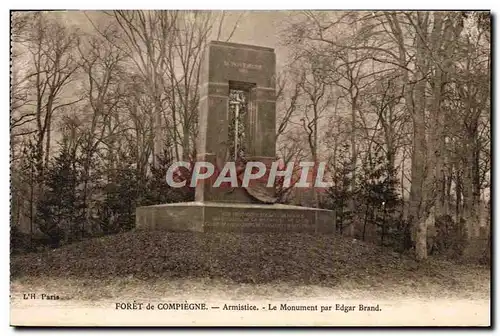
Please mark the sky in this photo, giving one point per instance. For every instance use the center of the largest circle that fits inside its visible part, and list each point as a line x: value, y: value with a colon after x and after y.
x: 260, y: 28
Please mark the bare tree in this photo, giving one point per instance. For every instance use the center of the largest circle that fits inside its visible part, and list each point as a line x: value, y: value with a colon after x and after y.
x: 102, y: 64
x: 420, y: 50
x: 182, y: 66
x: 51, y: 48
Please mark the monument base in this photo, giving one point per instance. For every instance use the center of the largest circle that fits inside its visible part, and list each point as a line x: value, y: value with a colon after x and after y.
x: 234, y: 217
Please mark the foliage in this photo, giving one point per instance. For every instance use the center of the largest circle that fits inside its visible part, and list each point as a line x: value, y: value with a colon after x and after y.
x: 378, y: 190
x: 158, y: 190
x: 340, y: 193
x: 59, y: 207
x: 61, y: 217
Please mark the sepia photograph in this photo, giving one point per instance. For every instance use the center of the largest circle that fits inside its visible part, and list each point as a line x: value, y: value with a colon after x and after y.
x: 230, y: 168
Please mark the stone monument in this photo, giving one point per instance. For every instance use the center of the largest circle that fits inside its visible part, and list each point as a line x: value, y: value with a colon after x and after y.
x: 236, y: 123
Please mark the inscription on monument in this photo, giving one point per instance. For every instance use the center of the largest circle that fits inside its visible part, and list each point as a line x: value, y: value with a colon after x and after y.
x: 243, y: 65
x: 254, y: 219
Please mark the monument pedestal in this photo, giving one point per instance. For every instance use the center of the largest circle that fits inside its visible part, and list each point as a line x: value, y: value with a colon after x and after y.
x: 234, y: 217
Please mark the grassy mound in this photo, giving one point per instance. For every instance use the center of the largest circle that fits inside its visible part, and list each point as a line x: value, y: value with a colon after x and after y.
x: 243, y: 258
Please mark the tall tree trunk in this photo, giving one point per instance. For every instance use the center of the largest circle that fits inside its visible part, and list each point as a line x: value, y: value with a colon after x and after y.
x: 354, y: 156
x: 419, y: 168
x: 47, y: 143
x: 158, y: 131
x: 458, y: 196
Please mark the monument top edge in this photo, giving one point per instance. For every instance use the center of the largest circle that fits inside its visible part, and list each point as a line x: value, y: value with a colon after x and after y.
x: 241, y: 46
x: 209, y: 204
